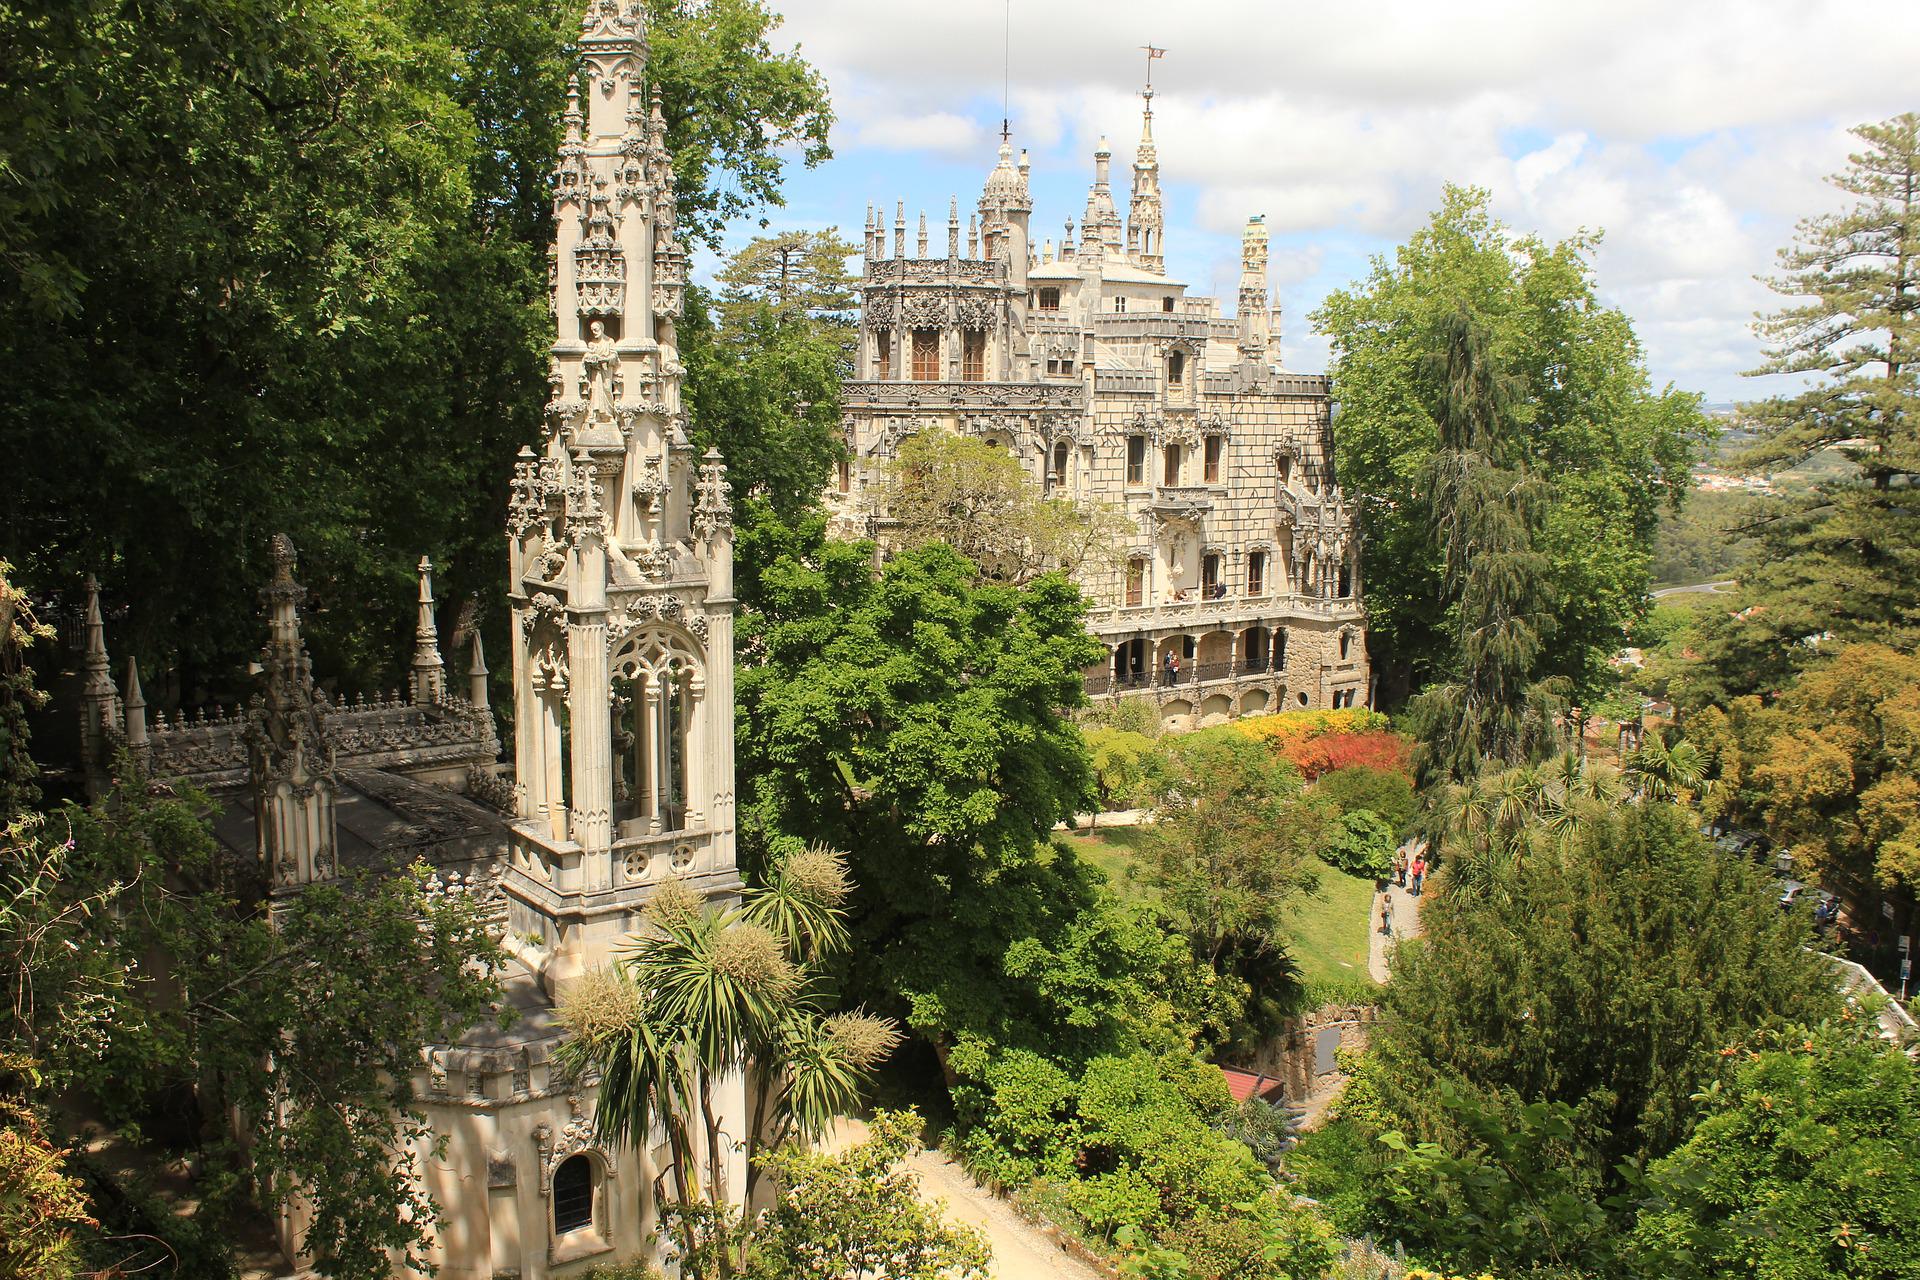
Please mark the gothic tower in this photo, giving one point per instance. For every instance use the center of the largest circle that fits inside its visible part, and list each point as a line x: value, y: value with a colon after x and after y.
x: 1252, y: 302
x: 620, y: 548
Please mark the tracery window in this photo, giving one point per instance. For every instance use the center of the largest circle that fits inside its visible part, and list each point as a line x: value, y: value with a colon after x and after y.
x: 1049, y: 299
x: 926, y: 355
x: 973, y: 356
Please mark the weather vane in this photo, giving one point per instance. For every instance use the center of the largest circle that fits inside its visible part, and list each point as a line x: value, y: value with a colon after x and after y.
x: 1152, y: 53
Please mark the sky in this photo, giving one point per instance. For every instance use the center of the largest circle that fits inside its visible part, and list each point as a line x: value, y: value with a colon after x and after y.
x: 1692, y: 134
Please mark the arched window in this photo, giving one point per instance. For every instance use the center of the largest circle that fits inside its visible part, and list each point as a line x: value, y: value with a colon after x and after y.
x: 1060, y: 453
x: 573, y: 1195
x: 1346, y: 644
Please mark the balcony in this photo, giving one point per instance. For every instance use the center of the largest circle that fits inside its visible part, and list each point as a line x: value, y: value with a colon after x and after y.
x: 1183, y: 500
x: 1191, y: 675
x: 1224, y: 612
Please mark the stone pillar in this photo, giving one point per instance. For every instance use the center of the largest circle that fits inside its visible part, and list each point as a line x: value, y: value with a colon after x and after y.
x: 591, y: 727
x: 699, y: 798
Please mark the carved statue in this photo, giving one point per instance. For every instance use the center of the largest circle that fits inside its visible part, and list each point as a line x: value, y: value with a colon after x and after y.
x: 602, y: 363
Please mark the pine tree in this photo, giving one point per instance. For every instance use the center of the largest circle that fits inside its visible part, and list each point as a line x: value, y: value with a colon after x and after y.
x: 1840, y: 560
x: 1486, y: 509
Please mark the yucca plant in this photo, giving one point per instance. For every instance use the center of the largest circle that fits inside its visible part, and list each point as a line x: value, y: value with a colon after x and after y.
x: 702, y: 993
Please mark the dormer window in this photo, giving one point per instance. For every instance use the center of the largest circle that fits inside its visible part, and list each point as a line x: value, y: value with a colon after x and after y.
x: 1049, y: 299
x: 1119, y: 304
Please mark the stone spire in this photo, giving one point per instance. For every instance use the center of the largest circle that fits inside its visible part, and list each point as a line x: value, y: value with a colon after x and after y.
x: 135, y: 702
x: 1100, y: 229
x: 1252, y: 302
x: 290, y: 759
x: 97, y: 718
x: 1144, y: 225
x: 429, y: 673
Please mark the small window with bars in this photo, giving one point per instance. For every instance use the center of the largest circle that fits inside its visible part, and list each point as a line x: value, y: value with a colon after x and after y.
x: 573, y: 1195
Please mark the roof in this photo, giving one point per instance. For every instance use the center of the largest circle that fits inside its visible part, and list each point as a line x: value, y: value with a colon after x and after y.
x: 1126, y: 273
x: 1245, y: 1084
x: 1055, y: 270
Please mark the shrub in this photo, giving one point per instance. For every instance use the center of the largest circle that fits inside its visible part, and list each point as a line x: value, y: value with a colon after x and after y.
x: 1361, y: 844
x: 1015, y: 1112
x: 1327, y: 752
x: 1387, y: 792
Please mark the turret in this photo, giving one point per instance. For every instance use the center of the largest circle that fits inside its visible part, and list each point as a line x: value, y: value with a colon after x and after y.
x: 98, y: 720
x: 1005, y: 207
x: 1100, y: 230
x: 1252, y: 303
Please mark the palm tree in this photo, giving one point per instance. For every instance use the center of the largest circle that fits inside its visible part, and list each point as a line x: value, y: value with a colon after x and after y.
x: 702, y: 994
x: 1662, y: 771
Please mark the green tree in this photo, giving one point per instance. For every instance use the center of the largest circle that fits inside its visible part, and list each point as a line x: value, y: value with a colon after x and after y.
x: 976, y: 497
x: 327, y: 298
x: 1386, y: 792
x: 1838, y: 558
x: 1230, y: 856
x: 1581, y: 415
x: 141, y: 972
x: 800, y: 275
x: 1488, y: 511
x: 915, y: 716
x: 1800, y: 1165
x: 1361, y: 843
x: 1125, y: 765
x: 858, y: 1215
x: 1608, y: 977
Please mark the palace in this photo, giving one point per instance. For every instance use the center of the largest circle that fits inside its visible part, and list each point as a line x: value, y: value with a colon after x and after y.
x: 620, y: 558
x: 1240, y: 590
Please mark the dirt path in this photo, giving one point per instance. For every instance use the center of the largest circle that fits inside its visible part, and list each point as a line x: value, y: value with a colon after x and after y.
x: 1019, y: 1251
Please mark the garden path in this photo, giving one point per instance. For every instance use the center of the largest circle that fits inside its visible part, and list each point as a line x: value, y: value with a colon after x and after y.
x: 1020, y: 1252
x: 1406, y: 923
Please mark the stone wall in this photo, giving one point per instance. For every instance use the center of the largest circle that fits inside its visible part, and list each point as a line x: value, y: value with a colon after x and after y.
x: 1302, y: 1054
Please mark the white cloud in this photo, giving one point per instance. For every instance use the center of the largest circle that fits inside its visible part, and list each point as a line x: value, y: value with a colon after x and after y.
x: 1693, y: 134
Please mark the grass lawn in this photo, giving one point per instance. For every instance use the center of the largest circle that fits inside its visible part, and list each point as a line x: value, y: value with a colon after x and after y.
x: 1111, y: 850
x: 1330, y: 938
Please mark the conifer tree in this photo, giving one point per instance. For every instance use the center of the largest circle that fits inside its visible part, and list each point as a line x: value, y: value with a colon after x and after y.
x: 1486, y: 508
x: 1842, y: 560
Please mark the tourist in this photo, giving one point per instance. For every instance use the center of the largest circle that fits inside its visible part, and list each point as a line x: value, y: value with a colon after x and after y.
x: 1386, y: 914
x: 1400, y: 867
x: 1419, y: 870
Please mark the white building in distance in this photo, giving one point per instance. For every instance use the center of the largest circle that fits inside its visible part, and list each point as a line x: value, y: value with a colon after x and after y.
x: 1240, y: 590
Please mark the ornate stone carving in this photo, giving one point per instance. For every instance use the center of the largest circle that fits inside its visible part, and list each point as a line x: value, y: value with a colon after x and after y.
x: 570, y: 1139
x: 925, y: 310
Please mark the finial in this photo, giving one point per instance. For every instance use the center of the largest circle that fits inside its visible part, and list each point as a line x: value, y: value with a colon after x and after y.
x: 135, y: 702
x: 477, y: 673
x: 429, y: 676
x: 922, y: 251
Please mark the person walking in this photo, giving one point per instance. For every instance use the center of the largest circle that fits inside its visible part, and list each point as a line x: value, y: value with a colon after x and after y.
x: 1386, y: 914
x: 1419, y: 872
x: 1400, y: 867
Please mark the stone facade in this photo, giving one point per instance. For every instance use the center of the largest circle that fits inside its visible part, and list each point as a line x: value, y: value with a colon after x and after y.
x: 1240, y: 591
x: 620, y: 560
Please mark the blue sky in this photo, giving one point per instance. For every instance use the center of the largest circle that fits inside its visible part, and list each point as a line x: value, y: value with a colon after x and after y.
x: 1693, y: 134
